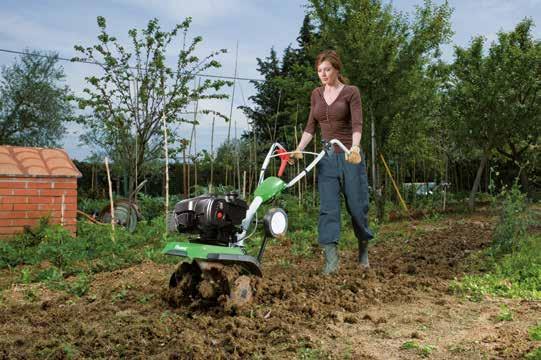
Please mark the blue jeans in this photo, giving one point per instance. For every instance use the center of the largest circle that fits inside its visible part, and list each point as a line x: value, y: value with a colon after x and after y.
x: 335, y: 175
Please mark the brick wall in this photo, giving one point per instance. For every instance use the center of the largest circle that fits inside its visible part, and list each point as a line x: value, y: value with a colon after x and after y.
x: 23, y: 200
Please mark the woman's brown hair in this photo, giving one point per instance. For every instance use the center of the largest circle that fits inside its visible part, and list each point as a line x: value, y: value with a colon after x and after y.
x: 332, y: 57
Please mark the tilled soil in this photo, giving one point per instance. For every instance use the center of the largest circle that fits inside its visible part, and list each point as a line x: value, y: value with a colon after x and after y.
x: 401, y: 308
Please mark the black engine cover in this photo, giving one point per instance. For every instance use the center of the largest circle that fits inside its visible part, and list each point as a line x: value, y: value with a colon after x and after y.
x: 215, y: 219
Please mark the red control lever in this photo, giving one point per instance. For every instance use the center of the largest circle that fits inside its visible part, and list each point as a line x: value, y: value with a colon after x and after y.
x: 284, y: 157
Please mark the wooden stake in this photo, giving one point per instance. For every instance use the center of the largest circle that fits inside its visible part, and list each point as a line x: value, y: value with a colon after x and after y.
x: 402, y: 202
x: 111, y: 199
x: 62, y: 209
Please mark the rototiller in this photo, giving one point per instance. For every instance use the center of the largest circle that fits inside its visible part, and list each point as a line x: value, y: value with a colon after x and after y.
x: 216, y: 265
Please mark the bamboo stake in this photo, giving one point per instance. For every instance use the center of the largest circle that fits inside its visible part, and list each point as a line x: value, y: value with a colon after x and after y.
x: 296, y: 142
x: 192, y: 135
x: 227, y: 158
x: 195, y: 135
x: 244, y: 184
x: 111, y: 199
x: 195, y: 157
x: 306, y: 177
x: 212, y: 154
x: 314, y: 176
x: 233, y: 95
x: 136, y: 92
x: 166, y: 148
x: 237, y: 148
x: 184, y: 174
x: 373, y: 151
x: 275, y: 125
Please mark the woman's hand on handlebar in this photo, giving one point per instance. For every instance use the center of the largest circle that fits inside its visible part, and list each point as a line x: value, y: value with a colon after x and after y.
x: 294, y: 156
x: 354, y: 156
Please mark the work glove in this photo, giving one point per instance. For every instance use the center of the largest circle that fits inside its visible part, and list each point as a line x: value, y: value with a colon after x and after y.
x: 294, y: 156
x: 354, y: 156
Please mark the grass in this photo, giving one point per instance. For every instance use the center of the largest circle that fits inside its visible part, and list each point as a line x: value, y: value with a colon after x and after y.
x: 516, y: 275
x: 514, y: 258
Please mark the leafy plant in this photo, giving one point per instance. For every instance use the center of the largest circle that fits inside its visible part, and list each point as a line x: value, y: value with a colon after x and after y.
x: 423, y: 350
x: 426, y: 350
x: 535, y: 332
x: 410, y: 344
x: 26, y: 276
x: 505, y: 314
x: 81, y: 285
x: 534, y: 355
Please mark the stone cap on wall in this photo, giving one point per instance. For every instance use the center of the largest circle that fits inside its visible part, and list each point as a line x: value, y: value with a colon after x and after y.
x: 36, y: 162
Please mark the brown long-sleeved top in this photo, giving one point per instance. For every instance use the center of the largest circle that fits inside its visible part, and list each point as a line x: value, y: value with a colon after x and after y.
x: 340, y: 119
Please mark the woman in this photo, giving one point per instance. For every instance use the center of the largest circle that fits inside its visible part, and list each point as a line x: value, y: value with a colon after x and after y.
x: 336, y: 108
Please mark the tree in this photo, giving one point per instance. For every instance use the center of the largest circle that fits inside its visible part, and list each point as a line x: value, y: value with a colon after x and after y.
x: 516, y: 59
x: 475, y: 123
x: 137, y: 89
x: 495, y: 100
x: 34, y: 105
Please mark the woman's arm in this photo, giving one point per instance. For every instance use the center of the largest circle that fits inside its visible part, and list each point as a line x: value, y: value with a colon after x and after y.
x: 356, y: 139
x: 305, y: 140
x: 356, y: 110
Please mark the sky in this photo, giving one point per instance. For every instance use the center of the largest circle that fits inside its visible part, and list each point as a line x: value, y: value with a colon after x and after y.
x: 257, y: 25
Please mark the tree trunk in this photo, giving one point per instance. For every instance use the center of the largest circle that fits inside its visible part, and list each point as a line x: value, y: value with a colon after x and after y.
x: 525, y: 183
x: 93, y: 174
x: 477, y: 180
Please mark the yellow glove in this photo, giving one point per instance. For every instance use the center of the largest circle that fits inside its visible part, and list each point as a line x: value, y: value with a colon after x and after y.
x: 295, y: 155
x: 354, y: 156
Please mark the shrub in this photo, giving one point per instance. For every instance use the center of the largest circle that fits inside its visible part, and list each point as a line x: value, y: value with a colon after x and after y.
x: 513, y: 222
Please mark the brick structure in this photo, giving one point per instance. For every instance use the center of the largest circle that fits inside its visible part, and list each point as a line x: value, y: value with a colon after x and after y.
x: 36, y: 182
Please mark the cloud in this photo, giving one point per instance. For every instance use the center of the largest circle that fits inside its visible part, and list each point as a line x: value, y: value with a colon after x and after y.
x: 202, y: 11
x: 20, y: 32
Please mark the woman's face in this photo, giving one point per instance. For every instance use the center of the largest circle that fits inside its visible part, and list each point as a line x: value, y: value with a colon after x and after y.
x: 327, y: 73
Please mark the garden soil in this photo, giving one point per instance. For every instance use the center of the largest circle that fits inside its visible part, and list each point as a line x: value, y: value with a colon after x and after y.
x: 401, y: 308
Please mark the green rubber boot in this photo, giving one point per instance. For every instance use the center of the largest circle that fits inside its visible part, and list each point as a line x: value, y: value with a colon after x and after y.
x: 331, y: 259
x: 363, y: 254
